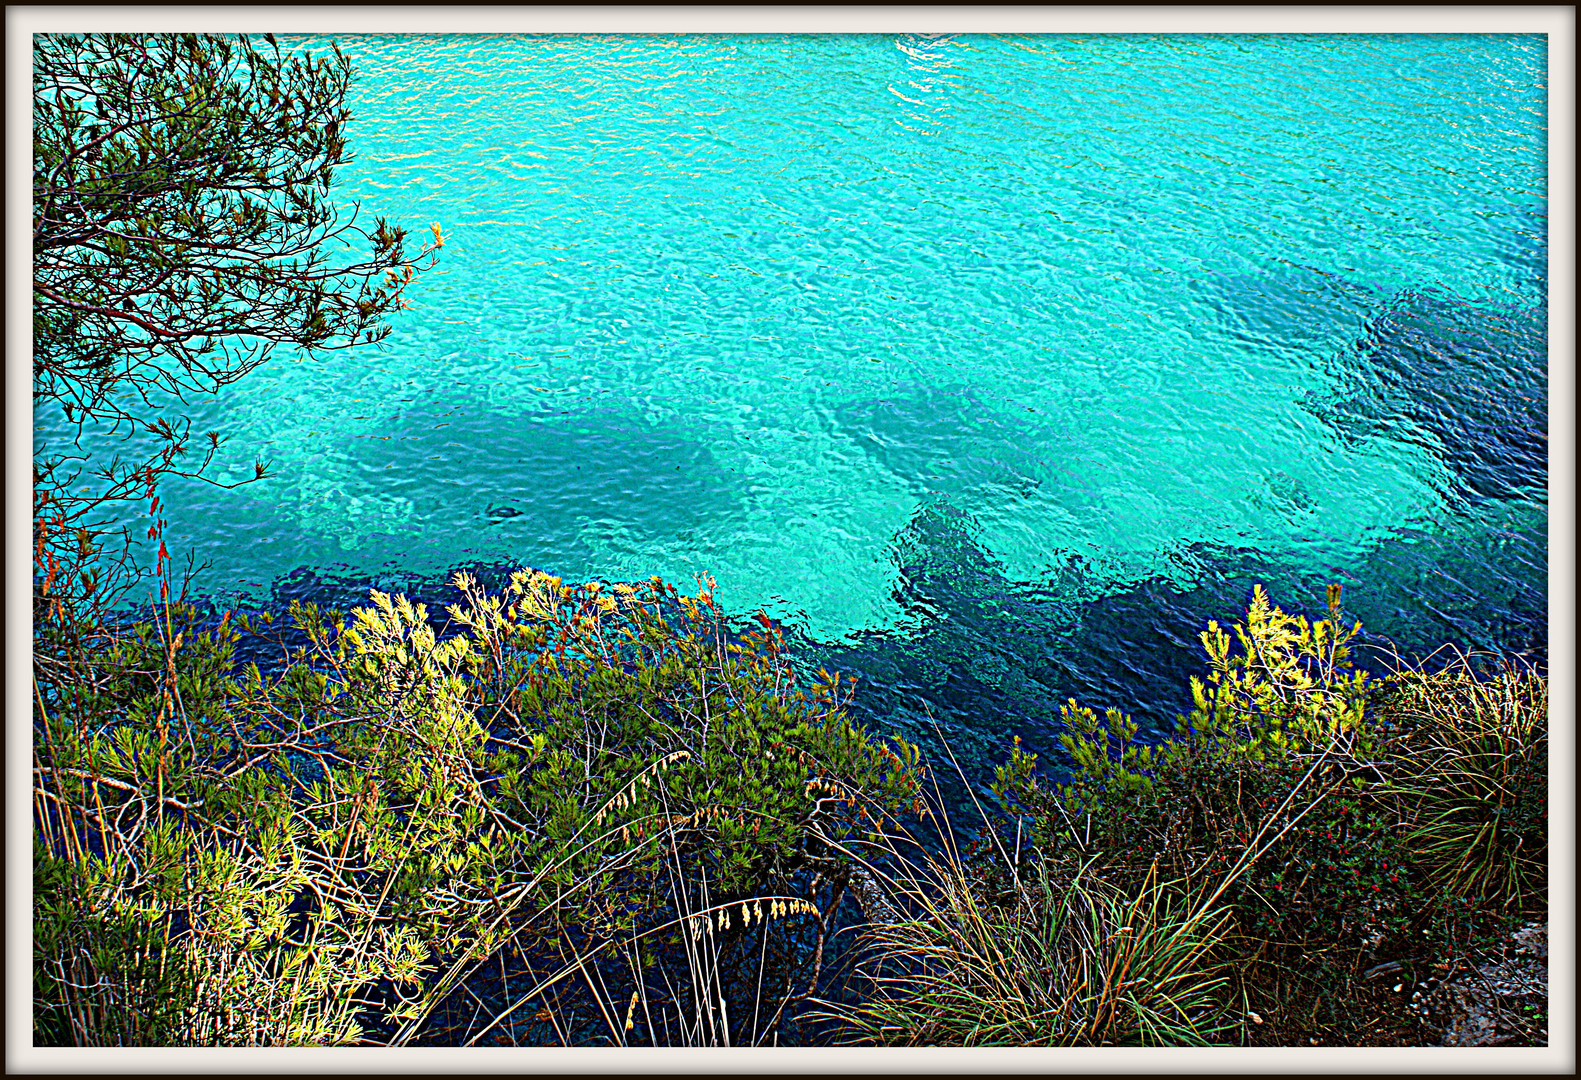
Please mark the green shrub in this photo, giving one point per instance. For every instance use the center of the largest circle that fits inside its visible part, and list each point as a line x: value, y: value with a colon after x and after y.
x: 1336, y: 816
x: 334, y: 849
x: 1289, y: 690
x: 102, y: 975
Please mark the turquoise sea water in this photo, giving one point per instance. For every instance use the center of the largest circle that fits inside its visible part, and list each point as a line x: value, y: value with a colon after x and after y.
x: 992, y: 365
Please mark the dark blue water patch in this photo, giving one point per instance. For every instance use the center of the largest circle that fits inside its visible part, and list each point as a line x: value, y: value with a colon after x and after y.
x: 344, y: 588
x: 947, y: 439
x: 522, y: 474
x: 606, y: 463
x: 1484, y: 591
x: 1288, y: 305
x: 992, y: 659
x: 987, y: 658
x: 1467, y: 383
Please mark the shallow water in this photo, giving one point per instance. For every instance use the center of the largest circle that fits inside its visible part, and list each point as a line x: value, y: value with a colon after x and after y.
x: 994, y: 366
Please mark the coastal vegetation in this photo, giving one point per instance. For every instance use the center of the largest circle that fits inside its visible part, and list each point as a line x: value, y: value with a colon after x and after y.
x: 331, y: 852
x: 601, y: 814
x: 1308, y: 828
x: 606, y: 812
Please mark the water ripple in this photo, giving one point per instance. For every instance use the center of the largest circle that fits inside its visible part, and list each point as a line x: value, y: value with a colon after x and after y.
x: 1172, y: 309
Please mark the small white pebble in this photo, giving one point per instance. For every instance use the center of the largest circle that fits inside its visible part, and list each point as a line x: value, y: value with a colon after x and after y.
x: 1398, y: 987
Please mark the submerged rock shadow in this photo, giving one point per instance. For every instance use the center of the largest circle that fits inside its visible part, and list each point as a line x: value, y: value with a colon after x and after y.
x: 989, y: 658
x: 1466, y: 383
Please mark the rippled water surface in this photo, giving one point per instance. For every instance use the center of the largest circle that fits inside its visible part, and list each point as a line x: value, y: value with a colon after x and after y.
x: 993, y: 365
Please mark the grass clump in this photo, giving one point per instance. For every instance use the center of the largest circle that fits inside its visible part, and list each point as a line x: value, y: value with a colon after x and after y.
x: 1071, y: 963
x: 1479, y: 740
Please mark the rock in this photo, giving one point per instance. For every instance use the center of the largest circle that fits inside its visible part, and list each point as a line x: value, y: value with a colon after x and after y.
x: 1483, y: 1003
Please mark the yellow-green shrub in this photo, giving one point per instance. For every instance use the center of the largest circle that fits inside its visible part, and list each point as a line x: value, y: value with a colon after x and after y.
x: 333, y: 847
